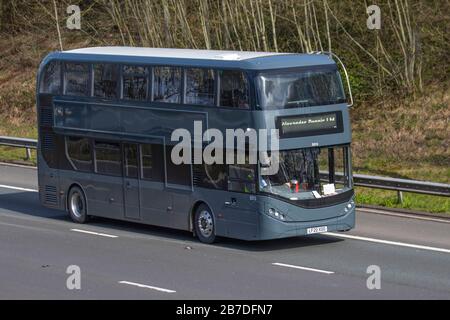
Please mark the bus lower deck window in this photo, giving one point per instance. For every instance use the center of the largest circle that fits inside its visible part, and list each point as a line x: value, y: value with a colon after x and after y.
x: 80, y: 153
x: 108, y: 158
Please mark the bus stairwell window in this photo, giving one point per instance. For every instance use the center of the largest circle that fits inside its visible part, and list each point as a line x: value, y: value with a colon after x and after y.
x: 167, y: 84
x: 105, y: 80
x: 51, y: 78
x: 233, y: 89
x: 135, y: 82
x: 76, y: 79
x: 200, y: 86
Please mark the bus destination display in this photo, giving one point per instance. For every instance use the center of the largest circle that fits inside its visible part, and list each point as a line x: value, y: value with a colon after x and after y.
x: 311, y: 124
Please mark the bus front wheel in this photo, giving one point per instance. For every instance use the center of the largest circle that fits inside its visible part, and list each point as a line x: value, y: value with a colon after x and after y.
x: 77, y: 205
x: 204, y: 224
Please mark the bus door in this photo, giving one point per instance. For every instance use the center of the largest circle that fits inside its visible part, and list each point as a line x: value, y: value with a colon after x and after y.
x: 156, y: 202
x: 240, y: 206
x: 131, y: 189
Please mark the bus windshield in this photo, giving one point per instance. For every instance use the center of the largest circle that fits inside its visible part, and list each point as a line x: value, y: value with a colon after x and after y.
x: 309, y: 173
x: 294, y: 88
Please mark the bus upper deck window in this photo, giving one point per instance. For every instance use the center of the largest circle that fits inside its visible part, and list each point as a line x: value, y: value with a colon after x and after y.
x: 76, y: 79
x: 167, y: 84
x: 105, y: 80
x: 295, y: 88
x: 233, y: 89
x: 200, y: 86
x: 135, y: 82
x: 51, y: 78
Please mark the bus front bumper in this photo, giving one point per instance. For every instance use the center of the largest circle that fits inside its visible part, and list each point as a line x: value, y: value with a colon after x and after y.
x: 271, y: 228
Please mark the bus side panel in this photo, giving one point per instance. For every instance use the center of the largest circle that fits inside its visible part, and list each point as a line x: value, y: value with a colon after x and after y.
x: 154, y: 203
x: 104, y: 194
x: 238, y: 219
x: 48, y: 182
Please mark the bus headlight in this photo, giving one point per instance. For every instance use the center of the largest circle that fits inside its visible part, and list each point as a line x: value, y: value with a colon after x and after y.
x: 349, y: 206
x: 276, y: 214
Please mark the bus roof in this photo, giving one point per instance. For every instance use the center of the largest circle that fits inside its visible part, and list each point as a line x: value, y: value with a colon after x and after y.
x: 193, y: 57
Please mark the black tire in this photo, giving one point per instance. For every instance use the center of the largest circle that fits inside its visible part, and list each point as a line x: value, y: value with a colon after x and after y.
x: 204, y: 224
x: 76, y: 205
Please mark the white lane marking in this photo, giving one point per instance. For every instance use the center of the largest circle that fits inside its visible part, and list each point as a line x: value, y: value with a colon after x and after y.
x: 394, y: 243
x: 147, y: 287
x: 17, y: 188
x: 403, y: 215
x: 302, y: 268
x: 95, y: 233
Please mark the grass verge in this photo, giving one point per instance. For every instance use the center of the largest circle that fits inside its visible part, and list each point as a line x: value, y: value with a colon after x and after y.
x: 411, y: 201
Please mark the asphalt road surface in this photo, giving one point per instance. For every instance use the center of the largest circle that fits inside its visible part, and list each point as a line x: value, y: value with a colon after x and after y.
x: 120, y: 260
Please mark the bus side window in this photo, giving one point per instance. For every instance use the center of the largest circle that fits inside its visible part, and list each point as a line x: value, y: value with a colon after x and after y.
x: 108, y: 158
x: 130, y: 160
x: 167, y: 84
x: 233, y: 89
x: 76, y: 79
x: 80, y: 153
x: 177, y: 173
x: 152, y: 160
x: 135, y: 83
x: 213, y: 176
x: 200, y: 86
x: 51, y: 78
x: 105, y: 80
x: 241, y: 178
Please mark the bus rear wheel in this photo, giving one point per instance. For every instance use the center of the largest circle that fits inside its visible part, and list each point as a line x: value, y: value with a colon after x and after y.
x: 77, y: 205
x: 204, y: 224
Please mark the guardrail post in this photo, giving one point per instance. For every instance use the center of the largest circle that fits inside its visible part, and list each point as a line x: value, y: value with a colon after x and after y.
x: 28, y: 156
x: 399, y: 197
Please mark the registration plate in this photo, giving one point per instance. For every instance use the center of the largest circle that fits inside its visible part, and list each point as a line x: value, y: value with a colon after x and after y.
x: 316, y: 230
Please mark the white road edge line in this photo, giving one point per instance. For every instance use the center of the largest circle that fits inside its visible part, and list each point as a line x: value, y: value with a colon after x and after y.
x: 147, y: 287
x: 17, y: 188
x: 95, y: 233
x: 394, y: 243
x: 8, y: 164
x: 301, y: 268
x: 402, y: 215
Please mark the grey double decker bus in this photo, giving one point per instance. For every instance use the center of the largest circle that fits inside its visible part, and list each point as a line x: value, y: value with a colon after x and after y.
x: 106, y: 116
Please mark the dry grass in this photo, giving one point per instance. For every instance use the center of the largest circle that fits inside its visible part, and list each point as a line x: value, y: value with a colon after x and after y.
x: 405, y: 137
